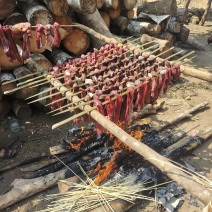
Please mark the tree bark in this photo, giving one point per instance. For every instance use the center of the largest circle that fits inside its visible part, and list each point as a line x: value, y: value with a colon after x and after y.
x: 114, y: 13
x: 163, y: 44
x: 105, y: 16
x: 57, y: 56
x: 35, y: 12
x: 7, y: 7
x: 194, y: 43
x: 128, y: 13
x: 15, y: 18
x: 95, y: 22
x: 164, y: 7
x: 41, y: 60
x: 196, y: 73
x: 143, y: 27
x: 6, y: 77
x: 121, y: 23
x: 183, y: 34
x: 83, y: 6
x: 173, y: 26
x: 21, y: 109
x: 77, y: 42
x: 181, y: 15
x: 57, y: 7
x: 128, y: 4
x: 205, y: 15
x: 23, y: 188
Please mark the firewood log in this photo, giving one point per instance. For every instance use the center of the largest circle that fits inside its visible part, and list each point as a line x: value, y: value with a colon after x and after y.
x: 7, y: 7
x: 119, y: 25
x: 128, y: 13
x: 183, y: 34
x: 164, y: 7
x: 41, y: 60
x: 114, y: 13
x: 4, y: 108
x: 95, y: 22
x: 105, y: 16
x: 128, y: 4
x: 135, y: 27
x: 58, y: 56
x: 26, y: 91
x: 173, y: 26
x: 57, y: 7
x: 181, y: 15
x: 6, y: 77
x: 64, y: 20
x: 99, y: 4
x: 163, y: 44
x: 82, y: 6
x: 110, y: 4
x: 143, y: 27
x: 77, y: 42
x: 192, y: 42
x: 167, y: 36
x: 35, y: 12
x: 21, y: 109
x: 15, y: 18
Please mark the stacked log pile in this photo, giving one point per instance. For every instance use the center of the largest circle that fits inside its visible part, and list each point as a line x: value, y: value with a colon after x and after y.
x: 103, y: 16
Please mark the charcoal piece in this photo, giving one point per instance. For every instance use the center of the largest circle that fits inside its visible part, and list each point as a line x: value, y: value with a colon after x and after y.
x: 96, y: 142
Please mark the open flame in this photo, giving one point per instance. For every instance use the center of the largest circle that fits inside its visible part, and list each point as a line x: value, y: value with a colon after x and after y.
x: 107, y: 169
x: 111, y: 165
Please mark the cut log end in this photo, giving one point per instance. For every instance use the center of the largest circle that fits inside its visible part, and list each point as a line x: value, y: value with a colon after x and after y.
x: 77, y: 42
x: 58, y: 7
x: 41, y: 17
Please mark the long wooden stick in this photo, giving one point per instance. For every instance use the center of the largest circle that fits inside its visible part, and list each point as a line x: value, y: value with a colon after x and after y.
x: 159, y: 161
x: 186, y: 114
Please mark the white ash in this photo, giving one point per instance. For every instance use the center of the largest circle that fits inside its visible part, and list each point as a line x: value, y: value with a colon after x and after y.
x: 170, y: 196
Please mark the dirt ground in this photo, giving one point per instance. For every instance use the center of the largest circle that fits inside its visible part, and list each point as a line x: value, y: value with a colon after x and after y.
x: 36, y: 135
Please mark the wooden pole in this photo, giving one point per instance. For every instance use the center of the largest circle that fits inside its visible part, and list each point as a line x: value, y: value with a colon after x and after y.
x: 149, y: 154
x: 196, y: 73
x: 207, y: 10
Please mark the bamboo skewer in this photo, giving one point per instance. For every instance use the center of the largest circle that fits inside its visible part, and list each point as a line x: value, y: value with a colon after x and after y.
x: 66, y: 84
x: 85, y: 112
x: 46, y: 81
x: 106, y: 75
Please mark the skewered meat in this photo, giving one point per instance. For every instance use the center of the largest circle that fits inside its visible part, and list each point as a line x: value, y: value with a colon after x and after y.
x: 49, y: 38
x: 57, y: 38
x: 121, y: 82
x: 26, y: 47
x: 38, y: 36
x: 99, y: 128
x: 13, y: 46
x: 6, y: 45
